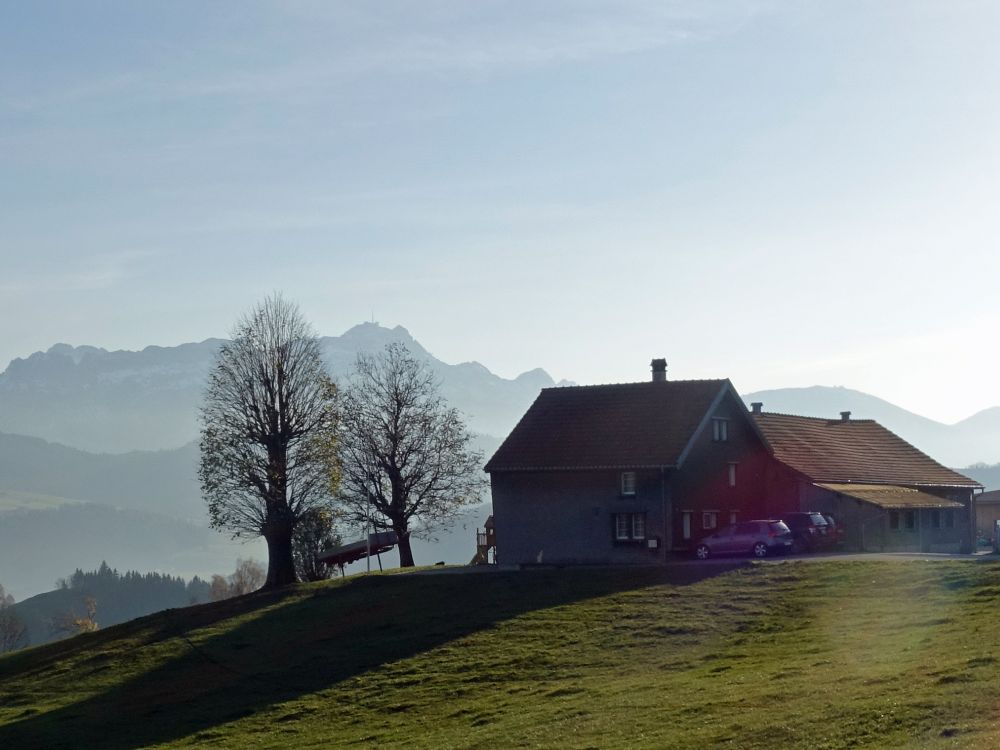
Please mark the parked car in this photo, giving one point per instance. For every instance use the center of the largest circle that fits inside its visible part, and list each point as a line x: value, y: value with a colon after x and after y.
x: 757, y: 538
x: 834, y: 531
x: 809, y: 529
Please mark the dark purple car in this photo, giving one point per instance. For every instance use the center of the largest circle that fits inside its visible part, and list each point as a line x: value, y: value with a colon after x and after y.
x: 757, y: 538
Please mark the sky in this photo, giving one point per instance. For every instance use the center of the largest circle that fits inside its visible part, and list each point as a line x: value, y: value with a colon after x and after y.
x: 782, y: 193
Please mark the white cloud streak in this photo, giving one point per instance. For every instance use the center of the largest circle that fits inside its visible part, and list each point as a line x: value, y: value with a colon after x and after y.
x: 346, y: 42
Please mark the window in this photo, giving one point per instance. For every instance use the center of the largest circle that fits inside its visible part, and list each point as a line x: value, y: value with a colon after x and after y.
x: 732, y: 516
x: 628, y: 482
x: 686, y: 524
x: 911, y: 519
x: 709, y: 519
x: 638, y: 526
x: 720, y: 429
x: 732, y: 473
x: 630, y: 527
x: 935, y: 519
x: 622, y: 526
x: 894, y: 519
x: 949, y: 519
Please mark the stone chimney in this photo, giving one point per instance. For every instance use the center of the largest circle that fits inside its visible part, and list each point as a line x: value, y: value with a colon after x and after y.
x: 756, y: 407
x: 845, y: 416
x: 659, y: 367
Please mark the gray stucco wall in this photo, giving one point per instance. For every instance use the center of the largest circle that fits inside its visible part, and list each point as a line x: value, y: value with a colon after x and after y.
x: 566, y: 517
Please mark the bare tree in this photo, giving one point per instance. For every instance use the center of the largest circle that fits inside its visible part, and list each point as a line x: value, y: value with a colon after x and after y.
x: 406, y: 457
x: 314, y: 534
x: 13, y: 632
x: 69, y: 623
x: 268, y: 431
x: 247, y: 578
x: 219, y: 588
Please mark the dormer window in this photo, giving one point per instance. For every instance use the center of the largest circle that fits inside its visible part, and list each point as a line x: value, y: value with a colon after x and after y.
x: 720, y: 429
x: 628, y: 483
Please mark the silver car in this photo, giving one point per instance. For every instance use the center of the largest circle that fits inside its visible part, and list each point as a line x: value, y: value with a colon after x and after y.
x: 757, y: 538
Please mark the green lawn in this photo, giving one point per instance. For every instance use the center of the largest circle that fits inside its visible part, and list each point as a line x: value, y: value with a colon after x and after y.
x: 818, y: 655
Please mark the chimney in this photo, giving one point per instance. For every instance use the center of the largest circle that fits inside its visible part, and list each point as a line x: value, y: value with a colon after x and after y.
x: 659, y: 367
x: 845, y: 416
x: 756, y: 407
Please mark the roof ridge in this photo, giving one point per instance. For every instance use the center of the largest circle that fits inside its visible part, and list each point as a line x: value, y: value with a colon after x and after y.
x: 634, y: 383
x: 836, y: 420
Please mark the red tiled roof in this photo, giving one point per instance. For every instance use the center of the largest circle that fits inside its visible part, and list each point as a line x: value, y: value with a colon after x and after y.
x: 607, y: 426
x: 858, y: 450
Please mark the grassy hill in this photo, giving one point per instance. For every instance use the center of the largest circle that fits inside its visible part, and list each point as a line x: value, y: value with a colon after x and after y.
x: 823, y: 655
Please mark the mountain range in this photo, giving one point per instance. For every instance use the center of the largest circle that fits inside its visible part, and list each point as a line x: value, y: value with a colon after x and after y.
x: 119, y: 401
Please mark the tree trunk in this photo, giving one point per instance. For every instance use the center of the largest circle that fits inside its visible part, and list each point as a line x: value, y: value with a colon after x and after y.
x: 405, y: 553
x: 280, y: 565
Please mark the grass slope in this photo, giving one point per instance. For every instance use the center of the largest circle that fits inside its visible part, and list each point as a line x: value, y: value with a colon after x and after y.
x: 820, y: 655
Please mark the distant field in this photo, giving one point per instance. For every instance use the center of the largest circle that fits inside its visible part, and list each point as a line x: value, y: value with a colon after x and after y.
x: 818, y: 655
x: 14, y: 500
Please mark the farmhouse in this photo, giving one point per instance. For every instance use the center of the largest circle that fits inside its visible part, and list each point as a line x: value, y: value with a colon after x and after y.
x: 625, y: 473
x: 886, y: 493
x: 630, y: 473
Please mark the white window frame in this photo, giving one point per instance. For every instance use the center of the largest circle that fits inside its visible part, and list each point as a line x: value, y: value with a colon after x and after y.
x: 622, y: 527
x: 628, y: 484
x: 686, y: 524
x: 732, y: 518
x: 732, y: 472
x: 639, y: 526
x: 709, y: 520
x: 720, y: 429
x: 630, y: 527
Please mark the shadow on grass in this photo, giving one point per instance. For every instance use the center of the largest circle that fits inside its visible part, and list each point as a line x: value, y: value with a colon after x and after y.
x: 315, y: 638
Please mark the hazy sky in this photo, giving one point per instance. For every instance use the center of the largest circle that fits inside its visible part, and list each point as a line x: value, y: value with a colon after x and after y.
x: 786, y: 193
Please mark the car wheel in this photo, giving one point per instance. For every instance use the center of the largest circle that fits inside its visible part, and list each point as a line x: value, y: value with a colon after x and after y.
x: 702, y: 552
x: 760, y: 550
